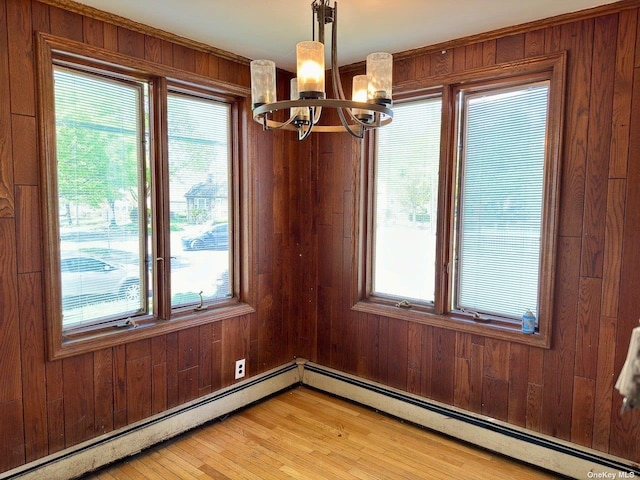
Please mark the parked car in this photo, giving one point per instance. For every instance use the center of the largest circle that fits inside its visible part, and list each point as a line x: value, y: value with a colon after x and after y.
x: 87, y: 278
x: 214, y: 237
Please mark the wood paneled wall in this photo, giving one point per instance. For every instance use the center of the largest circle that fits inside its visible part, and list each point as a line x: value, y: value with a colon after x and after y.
x: 566, y: 391
x: 304, y: 213
x: 47, y: 406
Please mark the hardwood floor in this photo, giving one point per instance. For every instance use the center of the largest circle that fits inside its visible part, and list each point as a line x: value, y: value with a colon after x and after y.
x: 305, y: 434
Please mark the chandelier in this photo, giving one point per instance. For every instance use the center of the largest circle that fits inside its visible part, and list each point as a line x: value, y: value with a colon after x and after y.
x: 370, y: 102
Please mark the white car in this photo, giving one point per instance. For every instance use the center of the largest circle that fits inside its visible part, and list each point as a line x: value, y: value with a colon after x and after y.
x: 86, y: 278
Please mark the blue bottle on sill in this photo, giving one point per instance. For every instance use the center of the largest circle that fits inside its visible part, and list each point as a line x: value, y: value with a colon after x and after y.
x: 528, y: 322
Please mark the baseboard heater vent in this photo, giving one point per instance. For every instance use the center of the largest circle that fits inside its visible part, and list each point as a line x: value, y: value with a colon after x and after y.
x: 564, y: 458
x: 543, y: 451
x: 97, y: 452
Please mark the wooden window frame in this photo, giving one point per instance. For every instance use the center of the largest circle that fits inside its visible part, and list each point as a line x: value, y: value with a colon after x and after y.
x: 441, y: 313
x: 162, y: 79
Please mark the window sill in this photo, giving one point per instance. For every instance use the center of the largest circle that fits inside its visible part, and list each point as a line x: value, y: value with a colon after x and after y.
x: 75, y: 343
x: 490, y: 329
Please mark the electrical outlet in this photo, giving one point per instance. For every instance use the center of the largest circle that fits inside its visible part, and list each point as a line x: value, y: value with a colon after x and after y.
x: 240, y: 368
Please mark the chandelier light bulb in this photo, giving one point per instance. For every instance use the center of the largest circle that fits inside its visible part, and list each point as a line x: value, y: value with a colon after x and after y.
x: 310, y: 60
x: 263, y: 82
x: 379, y: 70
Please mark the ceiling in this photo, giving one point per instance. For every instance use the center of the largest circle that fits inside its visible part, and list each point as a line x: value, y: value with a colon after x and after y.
x: 271, y: 28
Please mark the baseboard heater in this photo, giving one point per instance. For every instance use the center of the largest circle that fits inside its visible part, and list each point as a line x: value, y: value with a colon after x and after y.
x: 97, y: 452
x: 550, y: 453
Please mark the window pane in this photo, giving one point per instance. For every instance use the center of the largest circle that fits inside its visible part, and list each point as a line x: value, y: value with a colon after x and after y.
x: 406, y: 199
x: 99, y: 165
x: 501, y: 200
x: 199, y: 190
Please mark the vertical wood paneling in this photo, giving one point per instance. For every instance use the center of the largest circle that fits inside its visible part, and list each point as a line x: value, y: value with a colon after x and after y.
x: 65, y: 24
x: 583, y: 411
x: 613, y: 247
x: 33, y: 366
x: 10, y: 380
x: 55, y: 406
x: 426, y: 373
x: 626, y: 429
x: 103, y: 390
x: 79, y: 408
x: 24, y: 150
x: 20, y: 58
x: 442, y: 63
x: 204, y: 359
x: 598, y: 145
x: 120, y: 386
x: 414, y: 357
x: 172, y: 370
x: 28, y: 229
x: 153, y: 49
x: 604, y: 384
x: 40, y: 17
x: 473, y: 55
x: 306, y: 206
x: 184, y: 58
x: 623, y: 82
x: 534, y: 43
x: 518, y: 384
x: 510, y: 48
x: 578, y: 39
x: 12, y: 446
x: 130, y: 43
x: 138, y: 375
x: 588, y: 327
x: 442, y: 373
x: 6, y: 166
x: 93, y: 32
x: 559, y: 362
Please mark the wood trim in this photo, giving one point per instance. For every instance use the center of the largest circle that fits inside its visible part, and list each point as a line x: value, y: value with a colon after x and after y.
x: 136, y: 66
x: 114, y: 19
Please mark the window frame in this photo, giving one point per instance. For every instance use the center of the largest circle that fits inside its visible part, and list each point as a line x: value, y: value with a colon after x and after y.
x: 161, y: 80
x: 441, y: 314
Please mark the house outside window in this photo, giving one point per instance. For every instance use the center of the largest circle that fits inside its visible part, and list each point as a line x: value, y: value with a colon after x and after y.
x: 140, y: 166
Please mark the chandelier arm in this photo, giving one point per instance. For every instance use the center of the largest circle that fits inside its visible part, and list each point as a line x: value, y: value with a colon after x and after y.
x: 304, y: 133
x: 272, y: 125
x: 315, y: 114
x: 338, y: 91
x: 359, y: 133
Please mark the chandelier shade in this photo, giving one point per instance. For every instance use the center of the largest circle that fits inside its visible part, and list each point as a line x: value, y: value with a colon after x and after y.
x: 371, y: 100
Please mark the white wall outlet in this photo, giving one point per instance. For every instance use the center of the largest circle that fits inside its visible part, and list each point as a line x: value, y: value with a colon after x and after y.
x: 240, y: 368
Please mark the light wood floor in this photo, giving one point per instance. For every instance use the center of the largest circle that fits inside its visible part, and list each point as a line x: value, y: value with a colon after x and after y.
x: 305, y: 434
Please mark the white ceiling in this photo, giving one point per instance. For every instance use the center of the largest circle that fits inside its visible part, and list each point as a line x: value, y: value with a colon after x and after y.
x: 271, y: 28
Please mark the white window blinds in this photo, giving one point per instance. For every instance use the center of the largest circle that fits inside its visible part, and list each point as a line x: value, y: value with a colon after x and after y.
x: 406, y: 199
x: 100, y: 182
x: 500, y: 199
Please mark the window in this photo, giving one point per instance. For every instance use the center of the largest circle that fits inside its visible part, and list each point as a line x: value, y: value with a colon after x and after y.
x: 502, y: 145
x: 199, y: 154
x: 406, y: 201
x: 141, y: 179
x: 100, y: 177
x: 460, y: 228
